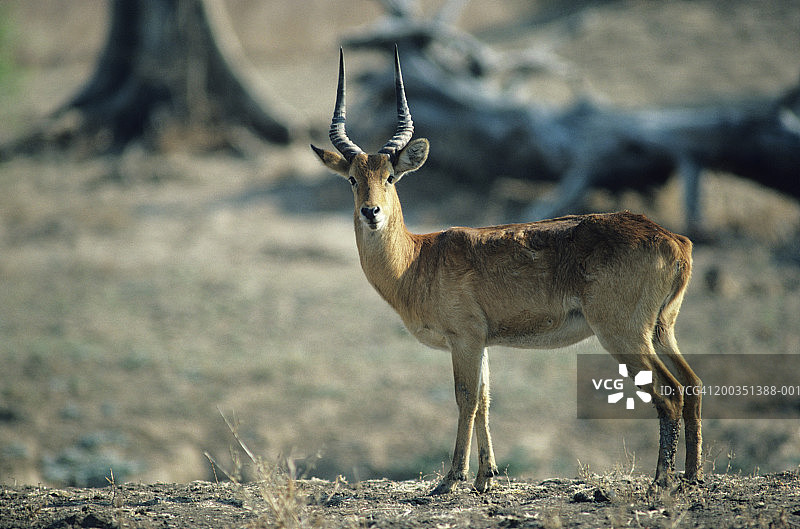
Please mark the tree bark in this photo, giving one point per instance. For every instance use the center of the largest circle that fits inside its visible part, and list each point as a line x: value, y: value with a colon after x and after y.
x: 169, y: 69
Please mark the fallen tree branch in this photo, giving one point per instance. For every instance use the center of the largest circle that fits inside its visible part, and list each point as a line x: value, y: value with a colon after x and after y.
x: 482, y: 133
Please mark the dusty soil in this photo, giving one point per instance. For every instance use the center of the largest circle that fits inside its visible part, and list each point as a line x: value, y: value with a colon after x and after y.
x: 140, y: 296
x: 770, y: 501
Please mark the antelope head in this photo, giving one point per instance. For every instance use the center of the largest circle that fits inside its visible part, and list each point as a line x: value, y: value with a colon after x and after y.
x: 372, y: 176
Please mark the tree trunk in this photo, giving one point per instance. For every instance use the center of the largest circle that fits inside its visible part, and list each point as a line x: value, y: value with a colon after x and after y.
x: 170, y: 71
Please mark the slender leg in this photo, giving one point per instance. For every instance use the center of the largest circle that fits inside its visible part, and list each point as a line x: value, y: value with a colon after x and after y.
x: 487, y: 468
x: 665, y: 344
x: 669, y: 429
x: 639, y: 355
x: 669, y: 405
x: 466, y: 375
x: 628, y: 328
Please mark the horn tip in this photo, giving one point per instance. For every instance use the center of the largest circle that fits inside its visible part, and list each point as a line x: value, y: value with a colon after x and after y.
x: 318, y: 151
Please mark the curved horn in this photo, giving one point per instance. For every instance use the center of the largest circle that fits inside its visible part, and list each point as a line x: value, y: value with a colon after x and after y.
x: 405, y: 127
x: 337, y: 133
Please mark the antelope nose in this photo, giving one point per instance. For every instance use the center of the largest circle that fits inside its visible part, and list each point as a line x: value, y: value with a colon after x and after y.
x: 369, y: 213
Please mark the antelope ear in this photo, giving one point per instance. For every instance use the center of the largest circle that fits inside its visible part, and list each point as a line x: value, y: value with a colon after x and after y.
x: 333, y: 161
x: 411, y: 157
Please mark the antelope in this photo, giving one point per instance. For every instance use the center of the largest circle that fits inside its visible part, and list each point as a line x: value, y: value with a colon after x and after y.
x: 546, y: 284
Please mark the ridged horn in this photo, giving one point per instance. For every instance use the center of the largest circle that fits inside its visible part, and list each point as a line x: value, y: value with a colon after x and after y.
x: 405, y: 127
x: 337, y: 133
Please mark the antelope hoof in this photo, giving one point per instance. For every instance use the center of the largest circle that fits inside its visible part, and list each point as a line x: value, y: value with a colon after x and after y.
x: 661, y: 485
x: 692, y: 478
x: 444, y: 487
x: 482, y: 484
x: 689, y: 482
x: 448, y: 483
x: 483, y: 481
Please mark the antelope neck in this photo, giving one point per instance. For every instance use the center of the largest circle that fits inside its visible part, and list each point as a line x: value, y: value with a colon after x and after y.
x: 386, y: 254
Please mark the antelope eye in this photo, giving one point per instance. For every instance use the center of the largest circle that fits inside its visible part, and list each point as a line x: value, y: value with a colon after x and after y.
x: 353, y: 181
x: 390, y: 179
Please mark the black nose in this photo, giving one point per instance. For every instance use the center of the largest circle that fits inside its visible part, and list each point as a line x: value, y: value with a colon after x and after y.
x: 369, y: 213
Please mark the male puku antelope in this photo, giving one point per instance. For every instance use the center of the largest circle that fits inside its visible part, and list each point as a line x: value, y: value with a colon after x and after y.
x: 544, y: 284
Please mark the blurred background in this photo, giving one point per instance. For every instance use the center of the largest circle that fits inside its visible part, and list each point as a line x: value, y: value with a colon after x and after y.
x: 171, y: 250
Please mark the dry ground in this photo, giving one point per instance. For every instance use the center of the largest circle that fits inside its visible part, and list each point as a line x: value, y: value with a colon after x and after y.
x: 771, y: 501
x: 142, y: 294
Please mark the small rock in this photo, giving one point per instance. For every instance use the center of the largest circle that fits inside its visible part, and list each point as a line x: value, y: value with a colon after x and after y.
x: 598, y: 495
x: 581, y: 497
x: 602, y: 496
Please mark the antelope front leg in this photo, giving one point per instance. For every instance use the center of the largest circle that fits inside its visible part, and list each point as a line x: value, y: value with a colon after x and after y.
x: 466, y: 375
x: 487, y: 468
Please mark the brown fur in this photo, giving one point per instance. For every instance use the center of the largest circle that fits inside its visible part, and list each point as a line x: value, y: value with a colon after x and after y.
x: 544, y: 284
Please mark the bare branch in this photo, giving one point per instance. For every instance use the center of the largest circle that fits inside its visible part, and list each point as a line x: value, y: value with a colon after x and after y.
x: 453, y: 78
